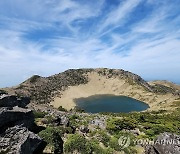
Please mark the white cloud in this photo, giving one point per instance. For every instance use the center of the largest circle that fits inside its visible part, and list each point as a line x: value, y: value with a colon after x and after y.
x: 152, y: 55
x: 119, y: 15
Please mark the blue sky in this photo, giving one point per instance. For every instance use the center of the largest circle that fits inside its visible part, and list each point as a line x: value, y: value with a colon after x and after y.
x: 46, y: 37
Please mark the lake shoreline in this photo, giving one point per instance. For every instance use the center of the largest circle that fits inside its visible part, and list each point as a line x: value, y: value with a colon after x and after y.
x: 100, y: 85
x: 110, y: 103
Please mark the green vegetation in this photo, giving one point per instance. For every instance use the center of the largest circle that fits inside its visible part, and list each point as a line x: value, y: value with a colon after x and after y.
x: 34, y: 78
x: 115, y: 124
x: 76, y: 121
x: 105, y: 141
x: 3, y: 91
x: 78, y: 109
x: 38, y: 114
x: 103, y: 137
x: 50, y: 133
x: 80, y: 144
x: 58, y: 143
x: 60, y: 108
x: 162, y: 89
x: 151, y: 123
x: 47, y: 134
x: 53, y: 138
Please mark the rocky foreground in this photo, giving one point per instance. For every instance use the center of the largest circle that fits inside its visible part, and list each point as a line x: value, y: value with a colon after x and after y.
x: 27, y: 128
x: 15, y: 124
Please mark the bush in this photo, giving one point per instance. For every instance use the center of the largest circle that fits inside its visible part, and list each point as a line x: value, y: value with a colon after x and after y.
x: 58, y: 143
x: 114, y: 144
x: 2, y: 92
x: 77, y: 143
x: 115, y: 125
x: 156, y: 129
x: 82, y: 145
x: 47, y: 135
x: 52, y: 136
x: 104, y: 138
x: 78, y: 109
x: 60, y: 108
x: 38, y: 114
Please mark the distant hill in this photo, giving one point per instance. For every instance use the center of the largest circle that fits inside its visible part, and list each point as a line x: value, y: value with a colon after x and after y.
x: 60, y: 89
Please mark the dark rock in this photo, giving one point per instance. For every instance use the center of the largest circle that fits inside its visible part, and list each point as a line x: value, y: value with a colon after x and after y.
x: 57, y: 121
x: 10, y: 117
x: 61, y: 120
x: 2, y: 92
x: 11, y: 101
x: 84, y: 129
x: 166, y: 143
x: 19, y: 140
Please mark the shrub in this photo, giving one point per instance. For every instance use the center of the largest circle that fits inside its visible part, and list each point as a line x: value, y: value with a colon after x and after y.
x: 38, y: 114
x: 114, y: 144
x: 156, y: 129
x: 115, y: 125
x: 104, y: 138
x: 77, y: 143
x: 82, y: 145
x: 74, y: 120
x: 78, y: 109
x: 47, y: 135
x: 60, y: 108
x: 34, y: 78
x: 52, y: 136
x: 58, y: 143
x: 49, y: 119
x: 2, y: 92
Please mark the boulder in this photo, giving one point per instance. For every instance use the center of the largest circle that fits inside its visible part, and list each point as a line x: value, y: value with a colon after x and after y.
x: 100, y: 122
x: 10, y: 117
x: 11, y: 101
x: 166, y: 143
x: 19, y: 140
x: 61, y: 120
x: 64, y: 121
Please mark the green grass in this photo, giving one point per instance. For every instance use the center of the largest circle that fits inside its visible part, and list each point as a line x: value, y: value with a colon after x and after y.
x: 150, y: 124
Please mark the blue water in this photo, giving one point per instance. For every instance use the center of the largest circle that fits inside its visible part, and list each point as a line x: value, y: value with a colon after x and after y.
x: 110, y: 103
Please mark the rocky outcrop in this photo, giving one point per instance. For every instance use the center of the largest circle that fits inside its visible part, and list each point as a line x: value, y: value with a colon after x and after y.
x: 14, y: 116
x: 15, y: 123
x: 99, y: 121
x: 19, y: 140
x: 166, y: 143
x: 60, y: 120
x: 11, y: 101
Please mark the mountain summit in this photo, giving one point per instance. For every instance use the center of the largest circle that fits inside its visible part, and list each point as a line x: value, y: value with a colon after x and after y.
x: 61, y: 89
